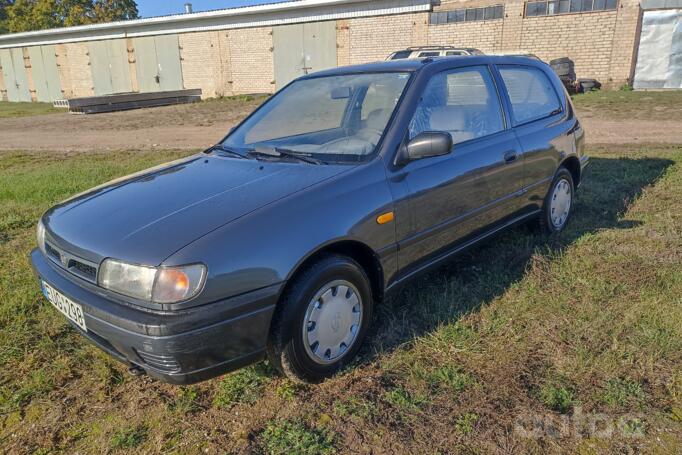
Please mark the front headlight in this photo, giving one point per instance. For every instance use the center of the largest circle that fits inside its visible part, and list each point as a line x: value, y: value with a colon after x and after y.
x: 40, y: 235
x: 155, y: 284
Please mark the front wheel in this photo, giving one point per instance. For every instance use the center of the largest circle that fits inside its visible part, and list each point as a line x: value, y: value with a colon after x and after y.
x: 321, y: 320
x: 558, y: 204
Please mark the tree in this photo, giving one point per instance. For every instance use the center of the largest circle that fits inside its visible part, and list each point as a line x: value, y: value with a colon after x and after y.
x: 26, y: 15
x: 4, y: 5
x: 114, y: 10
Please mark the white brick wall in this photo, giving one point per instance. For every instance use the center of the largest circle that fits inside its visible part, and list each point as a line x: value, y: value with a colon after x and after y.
x: 251, y: 60
x: 78, y: 70
x: 483, y: 35
x: 374, y: 38
x: 204, y: 56
x: 586, y: 38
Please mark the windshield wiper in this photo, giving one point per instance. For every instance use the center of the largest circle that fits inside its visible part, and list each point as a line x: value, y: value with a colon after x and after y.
x: 222, y: 148
x: 278, y: 152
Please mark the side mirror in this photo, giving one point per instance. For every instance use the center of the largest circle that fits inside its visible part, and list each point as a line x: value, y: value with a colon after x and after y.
x: 427, y: 144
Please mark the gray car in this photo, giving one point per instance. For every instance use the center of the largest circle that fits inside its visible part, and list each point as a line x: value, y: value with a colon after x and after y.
x: 280, y: 240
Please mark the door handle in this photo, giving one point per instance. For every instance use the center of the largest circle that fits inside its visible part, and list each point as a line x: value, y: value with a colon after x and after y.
x: 510, y: 156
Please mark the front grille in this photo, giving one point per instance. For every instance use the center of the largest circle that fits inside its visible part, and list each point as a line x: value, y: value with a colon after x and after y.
x: 52, y: 252
x: 82, y: 269
x: 164, y: 363
x: 75, y: 265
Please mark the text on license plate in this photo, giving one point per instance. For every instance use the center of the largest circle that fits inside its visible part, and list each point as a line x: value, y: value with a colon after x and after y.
x: 69, y: 308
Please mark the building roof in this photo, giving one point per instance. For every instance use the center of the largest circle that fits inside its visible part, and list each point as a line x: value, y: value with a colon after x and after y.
x: 229, y: 18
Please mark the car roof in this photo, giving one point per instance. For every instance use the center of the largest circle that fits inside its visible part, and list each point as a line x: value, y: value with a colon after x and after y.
x: 412, y: 65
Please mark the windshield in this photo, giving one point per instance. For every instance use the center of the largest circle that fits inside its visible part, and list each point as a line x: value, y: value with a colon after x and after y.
x: 333, y: 118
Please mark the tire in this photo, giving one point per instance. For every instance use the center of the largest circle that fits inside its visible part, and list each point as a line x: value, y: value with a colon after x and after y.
x: 552, y: 217
x: 330, y: 283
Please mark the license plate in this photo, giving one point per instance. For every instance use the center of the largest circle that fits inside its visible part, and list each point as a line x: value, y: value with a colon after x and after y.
x: 66, y: 306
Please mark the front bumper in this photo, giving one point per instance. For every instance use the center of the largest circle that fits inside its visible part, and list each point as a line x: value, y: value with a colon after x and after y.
x: 179, y: 347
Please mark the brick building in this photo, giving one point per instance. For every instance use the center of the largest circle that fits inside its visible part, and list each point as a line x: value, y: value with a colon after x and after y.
x: 258, y: 49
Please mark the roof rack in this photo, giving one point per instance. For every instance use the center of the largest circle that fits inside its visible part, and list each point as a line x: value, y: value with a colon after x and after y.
x: 440, y: 48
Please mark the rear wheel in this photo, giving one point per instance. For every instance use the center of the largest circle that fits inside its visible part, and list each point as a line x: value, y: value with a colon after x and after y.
x: 558, y: 203
x: 321, y: 320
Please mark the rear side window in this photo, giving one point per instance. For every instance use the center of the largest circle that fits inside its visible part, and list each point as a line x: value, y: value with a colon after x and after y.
x: 530, y: 91
x: 429, y: 54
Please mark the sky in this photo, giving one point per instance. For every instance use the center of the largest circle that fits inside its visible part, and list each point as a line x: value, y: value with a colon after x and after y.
x: 149, y: 8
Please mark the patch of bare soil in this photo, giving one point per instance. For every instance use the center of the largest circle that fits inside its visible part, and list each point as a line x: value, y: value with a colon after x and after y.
x: 605, y: 130
x: 182, y: 127
x: 197, y: 126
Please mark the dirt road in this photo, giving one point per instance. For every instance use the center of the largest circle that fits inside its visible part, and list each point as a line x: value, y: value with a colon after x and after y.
x: 200, y: 125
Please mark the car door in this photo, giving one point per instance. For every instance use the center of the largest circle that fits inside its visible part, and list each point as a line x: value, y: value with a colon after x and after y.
x: 537, y: 112
x: 459, y: 195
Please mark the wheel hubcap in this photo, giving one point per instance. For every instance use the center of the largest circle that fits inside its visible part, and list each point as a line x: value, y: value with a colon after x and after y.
x: 332, y: 321
x: 560, y: 204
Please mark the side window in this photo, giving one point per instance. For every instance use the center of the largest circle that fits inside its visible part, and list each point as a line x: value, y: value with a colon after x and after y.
x: 401, y: 54
x: 531, y: 93
x: 462, y: 102
x: 429, y: 54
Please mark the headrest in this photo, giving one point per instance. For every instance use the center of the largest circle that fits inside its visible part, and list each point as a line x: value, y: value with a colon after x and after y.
x: 447, y: 119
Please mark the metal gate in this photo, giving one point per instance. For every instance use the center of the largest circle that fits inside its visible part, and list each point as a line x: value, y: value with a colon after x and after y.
x: 110, y: 69
x: 14, y: 73
x: 303, y: 48
x: 157, y: 60
x: 45, y: 73
x: 659, y: 58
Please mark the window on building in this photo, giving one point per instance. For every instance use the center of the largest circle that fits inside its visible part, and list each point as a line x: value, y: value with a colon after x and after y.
x: 550, y: 8
x: 462, y: 102
x: 486, y: 13
x: 531, y: 93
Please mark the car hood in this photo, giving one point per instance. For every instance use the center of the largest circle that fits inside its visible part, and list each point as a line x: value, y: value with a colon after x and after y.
x: 146, y: 217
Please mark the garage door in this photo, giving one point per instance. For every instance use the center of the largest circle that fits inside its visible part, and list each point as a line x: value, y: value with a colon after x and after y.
x: 45, y: 73
x: 110, y: 69
x: 14, y: 74
x: 303, y: 48
x: 659, y: 58
x: 157, y: 60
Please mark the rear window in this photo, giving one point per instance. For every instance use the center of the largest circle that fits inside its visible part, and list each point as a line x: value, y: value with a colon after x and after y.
x: 530, y: 91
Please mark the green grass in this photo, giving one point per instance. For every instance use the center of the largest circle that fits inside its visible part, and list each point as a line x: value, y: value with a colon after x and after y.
x: 645, y: 105
x: 128, y: 437
x: 8, y: 109
x: 620, y: 392
x: 284, y: 437
x: 465, y: 423
x: 587, y: 321
x: 557, y: 397
x: 243, y: 386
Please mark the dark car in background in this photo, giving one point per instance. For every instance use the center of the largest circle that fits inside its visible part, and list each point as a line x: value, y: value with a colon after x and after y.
x: 280, y: 240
